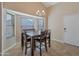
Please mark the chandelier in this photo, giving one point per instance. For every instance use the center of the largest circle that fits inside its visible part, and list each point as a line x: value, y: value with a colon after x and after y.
x: 40, y: 13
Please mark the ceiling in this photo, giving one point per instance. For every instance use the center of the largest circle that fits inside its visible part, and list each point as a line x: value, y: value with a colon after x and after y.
x: 48, y: 4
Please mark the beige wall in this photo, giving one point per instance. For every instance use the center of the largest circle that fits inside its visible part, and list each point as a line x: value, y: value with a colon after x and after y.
x: 56, y: 18
x: 0, y: 28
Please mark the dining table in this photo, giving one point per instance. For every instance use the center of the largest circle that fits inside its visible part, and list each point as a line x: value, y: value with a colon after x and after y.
x: 32, y: 35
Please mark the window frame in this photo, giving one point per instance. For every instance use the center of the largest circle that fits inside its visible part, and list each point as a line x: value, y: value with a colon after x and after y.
x: 43, y: 25
x: 12, y: 25
x: 36, y: 23
x: 25, y: 24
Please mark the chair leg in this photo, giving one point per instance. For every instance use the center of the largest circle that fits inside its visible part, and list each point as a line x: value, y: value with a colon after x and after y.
x: 46, y: 45
x: 49, y: 42
x: 22, y: 46
x: 34, y: 45
x: 40, y: 49
x: 25, y: 48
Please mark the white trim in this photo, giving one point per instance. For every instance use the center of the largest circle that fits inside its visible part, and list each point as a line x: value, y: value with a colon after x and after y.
x: 2, y: 27
x: 21, y: 13
x: 59, y: 41
x: 15, y: 26
x: 9, y: 48
x: 66, y: 43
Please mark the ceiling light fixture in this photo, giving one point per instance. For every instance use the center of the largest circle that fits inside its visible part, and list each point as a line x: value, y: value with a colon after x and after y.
x: 42, y: 13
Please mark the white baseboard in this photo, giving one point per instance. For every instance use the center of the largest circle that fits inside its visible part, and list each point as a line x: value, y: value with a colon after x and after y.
x: 9, y: 48
x: 59, y: 41
x: 65, y: 42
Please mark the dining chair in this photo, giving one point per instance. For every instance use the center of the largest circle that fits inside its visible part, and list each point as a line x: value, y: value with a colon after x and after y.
x: 41, y: 39
x: 26, y: 40
x: 48, y: 37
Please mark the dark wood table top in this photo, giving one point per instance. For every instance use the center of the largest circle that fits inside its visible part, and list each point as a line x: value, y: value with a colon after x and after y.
x: 33, y: 33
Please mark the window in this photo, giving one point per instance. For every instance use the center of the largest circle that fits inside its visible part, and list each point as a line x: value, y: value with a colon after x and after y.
x: 9, y: 25
x: 27, y: 23
x: 41, y: 24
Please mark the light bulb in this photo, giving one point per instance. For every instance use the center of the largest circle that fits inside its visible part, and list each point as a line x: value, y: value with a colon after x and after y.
x: 43, y: 12
x: 37, y: 12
